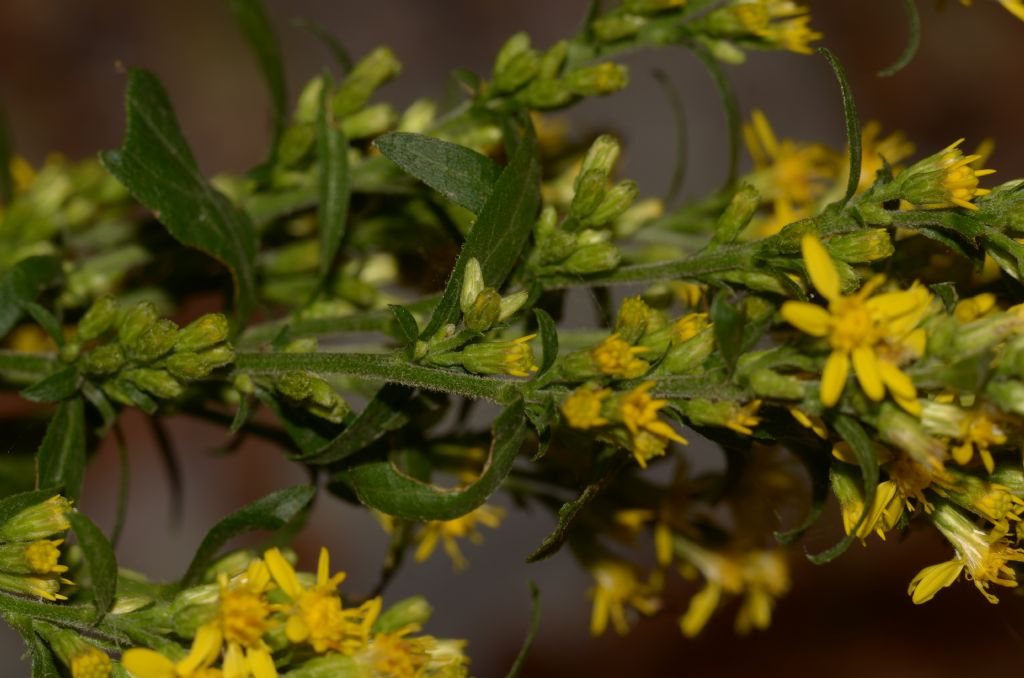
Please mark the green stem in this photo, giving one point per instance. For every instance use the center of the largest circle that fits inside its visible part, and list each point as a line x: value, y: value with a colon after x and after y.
x: 381, y: 367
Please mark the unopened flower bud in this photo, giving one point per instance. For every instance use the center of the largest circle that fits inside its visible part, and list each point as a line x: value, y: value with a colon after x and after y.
x: 296, y: 142
x: 770, y: 384
x: 512, y: 303
x: 136, y: 320
x: 555, y: 247
x: 551, y: 62
x: 218, y: 356
x: 686, y: 356
x: 591, y: 186
x: 98, y: 319
x: 472, y: 284
x: 155, y: 341
x: 600, y: 157
x: 295, y: 385
x: 513, y: 47
x: 203, y: 332
x: 38, y: 521
x: 514, y: 358
x: 615, y: 202
x: 545, y: 94
x: 592, y: 259
x: 598, y: 79
x: 371, y: 72
x: 308, y: 107
x: 158, y: 382
x: 615, y: 27
x: 187, y: 366
x: 861, y: 246
x: 369, y: 122
x: 737, y: 215
x: 412, y: 610
x: 105, y: 359
x: 517, y: 71
x: 418, y: 116
x: 485, y: 310
x: 631, y: 323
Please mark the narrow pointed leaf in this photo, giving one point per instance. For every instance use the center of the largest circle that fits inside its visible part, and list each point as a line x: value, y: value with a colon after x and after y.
x: 548, y: 340
x: 853, y: 139
x: 258, y: 32
x: 269, y: 513
x: 57, y: 386
x: 458, y: 173
x: 380, y: 485
x: 531, y: 633
x: 157, y: 167
x: 387, y: 411
x: 332, y: 211
x: 99, y: 560
x: 913, y: 41
x: 21, y: 285
x: 61, y: 456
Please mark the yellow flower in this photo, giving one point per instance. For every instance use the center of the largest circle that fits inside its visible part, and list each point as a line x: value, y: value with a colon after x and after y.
x: 946, y: 179
x: 855, y: 325
x: 743, y: 419
x: 972, y: 308
x: 582, y: 409
x: 688, y: 327
x: 884, y: 515
x: 617, y: 358
x: 397, y: 654
x: 639, y: 413
x: 782, y: 23
x: 812, y: 422
x: 876, y: 152
x: 1014, y: 7
x: 449, y: 531
x: 788, y: 171
x: 977, y: 428
x: 616, y: 586
x: 514, y: 358
x: 146, y: 663
x: 765, y: 578
x: 243, y: 617
x: 690, y: 294
x: 316, y: 616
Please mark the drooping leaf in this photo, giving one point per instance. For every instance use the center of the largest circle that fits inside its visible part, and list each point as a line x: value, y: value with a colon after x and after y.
x: 913, y: 40
x: 387, y: 411
x: 336, y: 49
x: 548, y: 340
x: 853, y: 140
x: 864, y: 451
x: 731, y: 107
x: 380, y: 485
x: 61, y: 456
x: 21, y: 285
x: 728, y: 323
x: 332, y: 152
x: 675, y: 184
x: 157, y: 167
x: 258, y: 32
x: 269, y: 513
x: 46, y: 320
x: 309, y: 433
x: 531, y: 633
x: 123, y: 486
x: 43, y: 664
x: 99, y: 560
x: 501, y: 230
x: 817, y: 467
x: 567, y: 515
x: 458, y: 173
x: 55, y: 387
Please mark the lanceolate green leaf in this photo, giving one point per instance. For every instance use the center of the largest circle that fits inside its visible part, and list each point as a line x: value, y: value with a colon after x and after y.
x: 387, y: 411
x: 99, y: 559
x: 548, y: 339
x: 332, y: 212
x: 731, y: 106
x: 157, y: 167
x: 43, y: 665
x: 458, y: 173
x: 61, y: 456
x: 500, y: 231
x: 852, y: 123
x: 57, y: 386
x: 269, y: 513
x: 381, y: 486
x: 913, y: 40
x: 21, y: 285
x: 727, y: 322
x: 854, y: 434
x: 252, y: 19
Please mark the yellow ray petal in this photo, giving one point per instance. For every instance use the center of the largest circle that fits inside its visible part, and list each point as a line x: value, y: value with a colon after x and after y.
x: 865, y: 364
x: 820, y: 267
x: 808, y: 318
x: 833, y: 377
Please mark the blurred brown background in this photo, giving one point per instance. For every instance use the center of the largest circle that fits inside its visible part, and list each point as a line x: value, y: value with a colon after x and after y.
x: 62, y: 90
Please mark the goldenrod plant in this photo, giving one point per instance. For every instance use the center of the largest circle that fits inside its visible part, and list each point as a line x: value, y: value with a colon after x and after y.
x: 832, y: 318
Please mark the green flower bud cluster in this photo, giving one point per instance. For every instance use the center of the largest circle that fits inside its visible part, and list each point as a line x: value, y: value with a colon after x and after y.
x: 576, y: 253
x: 135, y: 352
x: 538, y: 81
x: 483, y: 307
x: 313, y: 394
x: 29, y: 553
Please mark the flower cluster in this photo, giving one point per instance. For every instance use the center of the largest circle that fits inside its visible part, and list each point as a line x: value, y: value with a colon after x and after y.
x: 29, y: 552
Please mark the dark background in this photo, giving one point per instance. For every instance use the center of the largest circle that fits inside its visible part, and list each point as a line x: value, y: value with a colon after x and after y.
x: 62, y: 88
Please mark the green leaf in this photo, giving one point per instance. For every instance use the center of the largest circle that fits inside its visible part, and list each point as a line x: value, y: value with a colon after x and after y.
x: 310, y: 433
x: 156, y: 166
x: 947, y: 293
x: 386, y: 412
x: 336, y: 49
x: 408, y: 328
x: 817, y: 467
x: 675, y: 184
x: 729, y: 104
x: 548, y: 341
x: 852, y: 124
x: 43, y: 664
x: 269, y: 513
x: 255, y: 25
x: 6, y: 149
x: 61, y: 456
x: 501, y: 230
x: 380, y: 485
x: 728, y: 325
x: 913, y: 40
x: 48, y: 321
x: 567, y: 515
x: 16, y: 503
x: 123, y: 487
x: 458, y: 173
x: 854, y: 434
x: 58, y: 386
x: 22, y: 284
x: 531, y: 634
x: 99, y: 560
x: 332, y: 210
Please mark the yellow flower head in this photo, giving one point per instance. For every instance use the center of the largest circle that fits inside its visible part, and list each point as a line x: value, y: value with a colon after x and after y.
x: 243, y: 618
x: 616, y: 358
x: 972, y: 308
x: 398, y: 654
x: 514, y: 358
x: 42, y: 556
x: 744, y: 419
x: 785, y: 170
x: 875, y: 152
x: 856, y: 327
x: 1014, y: 7
x: 582, y: 409
x: 616, y: 585
x: 146, y: 663
x: 946, y: 179
x: 90, y: 663
x: 781, y: 23
x: 638, y: 411
x: 449, y: 531
x: 688, y: 326
x: 690, y: 294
